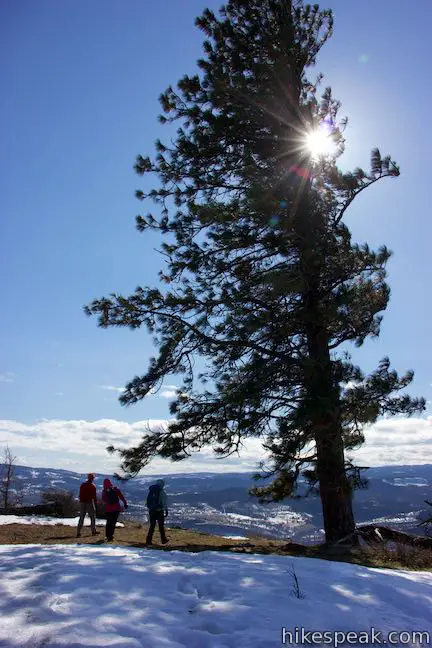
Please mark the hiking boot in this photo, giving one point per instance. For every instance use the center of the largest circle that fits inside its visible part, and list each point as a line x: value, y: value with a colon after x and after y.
x: 149, y: 544
x: 95, y: 532
x: 78, y: 535
x: 165, y: 541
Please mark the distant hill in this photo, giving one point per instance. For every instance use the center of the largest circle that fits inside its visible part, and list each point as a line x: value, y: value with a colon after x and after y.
x: 219, y: 503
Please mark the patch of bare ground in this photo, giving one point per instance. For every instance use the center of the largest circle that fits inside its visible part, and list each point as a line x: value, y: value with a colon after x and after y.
x: 134, y: 534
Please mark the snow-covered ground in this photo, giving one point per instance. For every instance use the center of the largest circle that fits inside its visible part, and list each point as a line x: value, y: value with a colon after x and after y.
x: 49, y: 521
x: 81, y: 596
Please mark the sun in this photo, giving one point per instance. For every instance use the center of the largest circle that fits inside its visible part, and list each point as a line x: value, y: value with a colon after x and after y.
x: 320, y: 142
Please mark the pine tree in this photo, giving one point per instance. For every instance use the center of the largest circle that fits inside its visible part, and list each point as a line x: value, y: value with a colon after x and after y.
x: 263, y: 285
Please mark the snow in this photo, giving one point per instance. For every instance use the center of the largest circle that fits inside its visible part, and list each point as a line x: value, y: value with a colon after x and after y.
x: 282, y: 519
x: 79, y: 596
x: 48, y: 521
x: 401, y: 517
x: 407, y: 481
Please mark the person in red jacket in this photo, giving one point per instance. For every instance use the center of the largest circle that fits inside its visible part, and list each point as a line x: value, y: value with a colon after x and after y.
x: 111, y: 496
x: 88, y: 500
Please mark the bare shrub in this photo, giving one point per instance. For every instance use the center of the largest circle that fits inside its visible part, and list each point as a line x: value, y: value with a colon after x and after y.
x: 400, y: 555
x: 64, y: 502
x: 11, y: 494
x: 295, y: 590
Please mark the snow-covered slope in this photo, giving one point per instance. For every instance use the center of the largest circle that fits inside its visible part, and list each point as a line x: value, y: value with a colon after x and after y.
x: 48, y: 521
x: 76, y: 597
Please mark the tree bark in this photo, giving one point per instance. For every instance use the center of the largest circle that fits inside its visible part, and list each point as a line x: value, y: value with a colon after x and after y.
x: 335, y: 490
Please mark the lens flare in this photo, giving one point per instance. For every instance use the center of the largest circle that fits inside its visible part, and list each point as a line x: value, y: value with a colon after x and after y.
x: 274, y: 221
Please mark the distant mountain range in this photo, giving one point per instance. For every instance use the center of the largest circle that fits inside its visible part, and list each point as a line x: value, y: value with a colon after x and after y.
x: 219, y: 503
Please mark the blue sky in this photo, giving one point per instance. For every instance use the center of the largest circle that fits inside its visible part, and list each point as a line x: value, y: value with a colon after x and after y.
x: 80, y: 93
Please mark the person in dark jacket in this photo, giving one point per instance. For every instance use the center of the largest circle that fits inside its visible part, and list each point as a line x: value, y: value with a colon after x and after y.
x: 88, y: 500
x: 111, y: 496
x: 157, y: 504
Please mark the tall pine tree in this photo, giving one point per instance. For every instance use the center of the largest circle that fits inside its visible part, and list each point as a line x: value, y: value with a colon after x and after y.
x: 262, y: 281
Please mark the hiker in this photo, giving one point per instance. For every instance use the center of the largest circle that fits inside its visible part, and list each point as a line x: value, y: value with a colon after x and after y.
x: 157, y: 507
x: 111, y: 496
x: 87, y: 496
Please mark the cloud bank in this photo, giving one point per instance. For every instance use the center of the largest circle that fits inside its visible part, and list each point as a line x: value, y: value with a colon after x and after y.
x: 81, y: 445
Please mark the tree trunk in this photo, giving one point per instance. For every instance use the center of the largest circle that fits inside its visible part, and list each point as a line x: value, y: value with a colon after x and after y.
x: 335, y: 490
x: 322, y: 388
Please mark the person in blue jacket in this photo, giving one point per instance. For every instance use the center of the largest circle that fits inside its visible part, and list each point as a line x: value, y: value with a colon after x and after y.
x: 157, y: 504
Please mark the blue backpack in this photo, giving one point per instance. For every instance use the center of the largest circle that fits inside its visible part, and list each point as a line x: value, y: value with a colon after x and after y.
x: 154, y: 498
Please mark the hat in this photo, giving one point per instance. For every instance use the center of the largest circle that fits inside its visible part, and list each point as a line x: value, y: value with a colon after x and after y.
x: 160, y: 482
x: 90, y: 476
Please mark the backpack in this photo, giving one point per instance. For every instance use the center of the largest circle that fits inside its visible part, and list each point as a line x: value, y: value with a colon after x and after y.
x: 154, y: 498
x: 111, y: 496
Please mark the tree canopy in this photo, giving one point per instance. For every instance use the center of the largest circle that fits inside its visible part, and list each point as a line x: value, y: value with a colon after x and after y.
x: 262, y: 281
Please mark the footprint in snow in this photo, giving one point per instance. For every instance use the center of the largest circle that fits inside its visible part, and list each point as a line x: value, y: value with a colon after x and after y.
x: 185, y: 586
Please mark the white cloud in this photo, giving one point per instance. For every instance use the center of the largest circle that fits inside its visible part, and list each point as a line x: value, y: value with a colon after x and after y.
x: 81, y: 445
x: 7, y: 377
x: 397, y: 441
x: 118, y: 390
x: 72, y: 444
x: 168, y: 393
